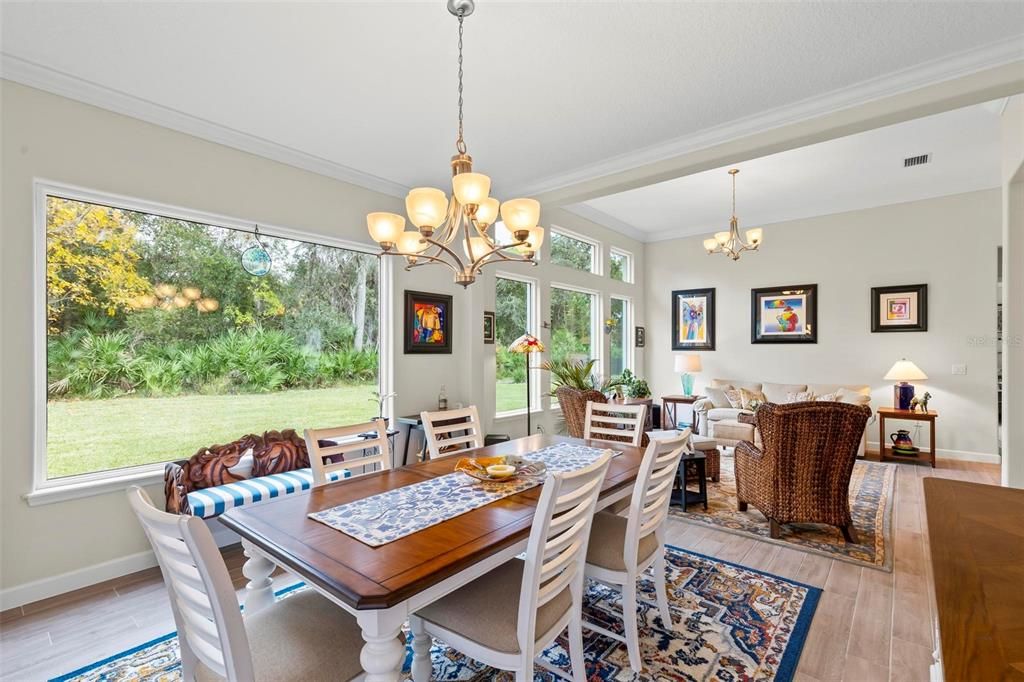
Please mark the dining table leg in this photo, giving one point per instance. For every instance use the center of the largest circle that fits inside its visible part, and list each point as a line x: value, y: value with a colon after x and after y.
x: 382, y: 655
x: 259, y: 591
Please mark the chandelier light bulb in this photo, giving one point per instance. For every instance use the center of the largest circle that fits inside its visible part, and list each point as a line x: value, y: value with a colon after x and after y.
x: 487, y: 212
x: 385, y: 227
x: 471, y: 188
x: 426, y: 207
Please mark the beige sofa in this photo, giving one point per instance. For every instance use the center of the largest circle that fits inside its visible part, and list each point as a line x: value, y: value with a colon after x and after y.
x: 721, y: 421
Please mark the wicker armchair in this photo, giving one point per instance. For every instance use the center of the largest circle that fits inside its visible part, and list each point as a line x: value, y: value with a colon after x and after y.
x: 802, y: 474
x: 573, y: 402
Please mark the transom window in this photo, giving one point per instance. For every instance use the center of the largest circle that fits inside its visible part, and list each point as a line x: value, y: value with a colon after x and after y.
x: 158, y: 342
x: 574, y: 251
x: 621, y: 265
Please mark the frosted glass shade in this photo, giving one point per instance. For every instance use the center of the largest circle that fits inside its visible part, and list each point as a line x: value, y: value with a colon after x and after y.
x: 722, y: 237
x: 535, y: 238
x: 710, y: 244
x: 471, y: 188
x: 478, y: 246
x: 754, y: 236
x: 687, y: 363
x: 520, y: 214
x: 410, y: 242
x: 487, y: 212
x: 905, y: 370
x: 385, y: 227
x: 426, y: 206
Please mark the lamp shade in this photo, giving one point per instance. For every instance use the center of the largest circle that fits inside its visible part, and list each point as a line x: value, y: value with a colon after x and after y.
x: 527, y: 343
x: 410, y: 242
x: 385, y: 227
x: 487, y: 211
x: 426, y: 206
x: 520, y: 214
x: 471, y: 188
x: 687, y: 363
x: 905, y: 370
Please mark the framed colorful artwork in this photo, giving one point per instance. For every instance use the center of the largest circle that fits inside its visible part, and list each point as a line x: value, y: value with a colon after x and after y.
x: 639, y: 337
x: 428, y: 323
x: 693, y: 319
x: 784, y: 314
x: 900, y: 308
x: 488, y: 326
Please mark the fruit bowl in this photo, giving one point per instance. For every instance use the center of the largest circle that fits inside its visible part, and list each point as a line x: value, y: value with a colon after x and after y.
x: 499, y: 469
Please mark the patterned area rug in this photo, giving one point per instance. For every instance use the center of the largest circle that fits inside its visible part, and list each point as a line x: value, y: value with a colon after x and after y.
x: 871, y: 496
x: 730, y: 623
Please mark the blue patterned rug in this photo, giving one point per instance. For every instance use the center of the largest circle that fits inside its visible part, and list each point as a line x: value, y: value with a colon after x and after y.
x: 731, y: 623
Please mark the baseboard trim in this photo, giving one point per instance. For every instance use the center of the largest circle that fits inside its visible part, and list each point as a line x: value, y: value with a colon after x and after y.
x: 963, y: 455
x: 75, y: 580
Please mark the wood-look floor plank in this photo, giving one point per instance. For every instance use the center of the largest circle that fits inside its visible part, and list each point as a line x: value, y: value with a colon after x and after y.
x: 824, y: 653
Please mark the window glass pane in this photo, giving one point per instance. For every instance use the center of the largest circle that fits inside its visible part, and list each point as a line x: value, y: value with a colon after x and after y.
x: 619, y: 337
x: 620, y: 267
x: 571, y: 325
x: 159, y: 343
x: 571, y: 252
x: 512, y: 320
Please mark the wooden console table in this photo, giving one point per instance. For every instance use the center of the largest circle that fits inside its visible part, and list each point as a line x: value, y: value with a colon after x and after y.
x: 885, y: 451
x: 673, y: 402
x: 976, y: 541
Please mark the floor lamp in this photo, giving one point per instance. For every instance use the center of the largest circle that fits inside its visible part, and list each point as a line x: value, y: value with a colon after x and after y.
x: 526, y: 345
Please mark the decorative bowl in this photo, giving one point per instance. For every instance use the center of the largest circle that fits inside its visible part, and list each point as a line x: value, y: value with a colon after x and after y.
x: 499, y: 469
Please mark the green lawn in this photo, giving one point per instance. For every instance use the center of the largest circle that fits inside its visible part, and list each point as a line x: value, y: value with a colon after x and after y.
x: 510, y: 397
x: 93, y: 435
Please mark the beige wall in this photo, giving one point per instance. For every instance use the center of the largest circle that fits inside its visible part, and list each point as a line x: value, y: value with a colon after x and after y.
x: 1013, y: 290
x: 50, y: 137
x: 949, y: 243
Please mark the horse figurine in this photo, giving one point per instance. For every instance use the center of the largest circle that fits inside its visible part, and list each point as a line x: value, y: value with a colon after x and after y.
x: 921, y: 402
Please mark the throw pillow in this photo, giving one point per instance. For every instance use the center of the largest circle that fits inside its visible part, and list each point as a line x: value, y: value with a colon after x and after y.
x: 853, y: 397
x: 717, y: 396
x: 801, y: 397
x: 828, y: 397
x: 751, y: 399
x: 735, y: 398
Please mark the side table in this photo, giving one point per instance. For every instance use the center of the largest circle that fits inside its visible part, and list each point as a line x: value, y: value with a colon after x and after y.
x: 670, y: 405
x: 885, y: 451
x: 684, y: 496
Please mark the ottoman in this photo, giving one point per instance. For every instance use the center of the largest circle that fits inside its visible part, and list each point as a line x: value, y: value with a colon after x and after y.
x: 731, y: 430
x: 709, y: 446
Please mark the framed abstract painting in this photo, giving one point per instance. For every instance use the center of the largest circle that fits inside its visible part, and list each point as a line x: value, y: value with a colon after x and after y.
x: 784, y: 314
x: 900, y: 308
x: 428, y: 323
x: 693, y: 319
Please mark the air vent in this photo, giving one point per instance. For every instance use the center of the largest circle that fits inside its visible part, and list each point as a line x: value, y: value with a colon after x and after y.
x: 916, y: 160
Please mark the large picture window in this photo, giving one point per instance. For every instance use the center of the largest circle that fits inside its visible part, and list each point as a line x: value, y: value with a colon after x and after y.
x: 514, y: 316
x: 621, y: 323
x: 573, y: 322
x: 158, y: 342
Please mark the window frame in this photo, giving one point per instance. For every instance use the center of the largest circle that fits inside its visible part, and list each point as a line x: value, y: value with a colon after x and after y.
x: 45, y: 490
x: 627, y: 272
x: 596, y: 322
x: 596, y: 253
x: 533, y: 327
x: 627, y: 324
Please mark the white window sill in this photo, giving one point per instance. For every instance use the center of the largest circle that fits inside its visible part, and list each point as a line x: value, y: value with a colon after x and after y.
x: 514, y: 414
x: 77, y: 489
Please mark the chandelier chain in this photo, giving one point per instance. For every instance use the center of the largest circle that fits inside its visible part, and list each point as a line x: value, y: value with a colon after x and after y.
x: 460, y: 143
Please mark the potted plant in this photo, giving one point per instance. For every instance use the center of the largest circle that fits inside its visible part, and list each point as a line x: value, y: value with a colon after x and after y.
x: 380, y: 399
x: 573, y: 383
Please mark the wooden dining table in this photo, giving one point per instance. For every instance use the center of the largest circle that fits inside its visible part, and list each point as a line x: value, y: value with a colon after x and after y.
x: 381, y: 586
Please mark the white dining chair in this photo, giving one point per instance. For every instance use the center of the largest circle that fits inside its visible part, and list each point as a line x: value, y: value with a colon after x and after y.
x: 618, y: 423
x: 623, y: 547
x: 508, y: 616
x: 452, y: 431
x: 302, y: 637
x: 350, y: 442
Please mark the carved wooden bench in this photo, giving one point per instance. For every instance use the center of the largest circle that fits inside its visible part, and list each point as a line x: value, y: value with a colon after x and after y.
x: 246, y: 471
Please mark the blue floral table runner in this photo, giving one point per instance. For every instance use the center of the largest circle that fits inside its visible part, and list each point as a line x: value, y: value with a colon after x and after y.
x: 388, y: 516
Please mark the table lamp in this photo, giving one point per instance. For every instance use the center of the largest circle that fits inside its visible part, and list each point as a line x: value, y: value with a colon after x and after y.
x: 685, y: 365
x: 904, y: 371
x: 526, y: 345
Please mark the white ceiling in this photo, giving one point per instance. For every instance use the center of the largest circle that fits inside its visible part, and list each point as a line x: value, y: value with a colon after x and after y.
x: 844, y: 174
x: 366, y: 91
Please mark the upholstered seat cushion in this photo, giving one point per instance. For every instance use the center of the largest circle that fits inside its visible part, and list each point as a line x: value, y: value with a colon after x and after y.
x: 302, y: 637
x: 731, y: 430
x: 703, y: 443
x: 214, y: 501
x: 719, y: 413
x: 486, y: 611
x: 608, y: 540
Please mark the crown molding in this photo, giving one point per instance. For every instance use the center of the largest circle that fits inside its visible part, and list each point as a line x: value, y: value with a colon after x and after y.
x: 892, y: 84
x: 59, y: 83
x: 588, y: 212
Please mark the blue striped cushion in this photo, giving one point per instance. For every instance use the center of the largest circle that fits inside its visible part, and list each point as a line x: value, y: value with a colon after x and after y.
x: 214, y: 501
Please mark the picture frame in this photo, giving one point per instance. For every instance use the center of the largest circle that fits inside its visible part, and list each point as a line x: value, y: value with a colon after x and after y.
x: 639, y: 337
x: 901, y: 308
x: 428, y: 323
x: 693, y: 319
x: 489, y: 321
x: 784, y: 314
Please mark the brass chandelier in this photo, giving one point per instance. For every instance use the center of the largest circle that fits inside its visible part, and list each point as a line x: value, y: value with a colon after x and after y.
x: 466, y: 217
x: 730, y: 243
